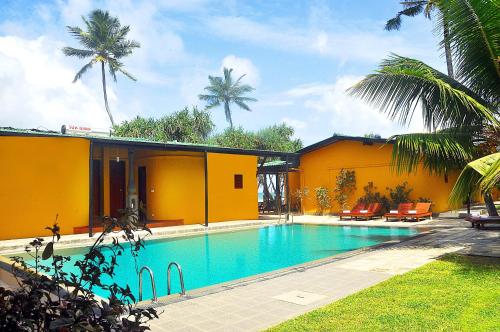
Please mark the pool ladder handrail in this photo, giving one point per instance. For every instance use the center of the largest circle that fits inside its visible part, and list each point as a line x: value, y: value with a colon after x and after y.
x: 153, y: 284
x: 181, y: 278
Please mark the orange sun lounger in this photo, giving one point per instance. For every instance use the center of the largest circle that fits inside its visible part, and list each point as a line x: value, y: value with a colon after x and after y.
x: 399, y: 214
x: 374, y: 210
x: 350, y: 213
x: 420, y: 211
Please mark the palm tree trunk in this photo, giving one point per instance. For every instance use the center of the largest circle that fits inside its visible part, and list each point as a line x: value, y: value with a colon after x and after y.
x: 227, y: 110
x: 490, y: 205
x: 447, y: 49
x: 105, y: 94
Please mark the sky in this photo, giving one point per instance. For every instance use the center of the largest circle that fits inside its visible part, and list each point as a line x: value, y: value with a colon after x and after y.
x: 300, y: 56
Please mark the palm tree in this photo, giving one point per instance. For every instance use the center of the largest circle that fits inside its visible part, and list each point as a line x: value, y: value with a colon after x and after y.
x: 104, y: 42
x: 460, y: 114
x: 414, y: 8
x: 223, y: 90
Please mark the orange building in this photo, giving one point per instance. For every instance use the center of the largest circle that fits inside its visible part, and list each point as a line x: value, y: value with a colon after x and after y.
x: 370, y: 159
x: 81, y: 178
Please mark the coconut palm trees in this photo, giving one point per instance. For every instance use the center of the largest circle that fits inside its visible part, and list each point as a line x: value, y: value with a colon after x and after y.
x: 225, y: 91
x: 105, y: 42
x: 458, y: 113
x: 413, y: 8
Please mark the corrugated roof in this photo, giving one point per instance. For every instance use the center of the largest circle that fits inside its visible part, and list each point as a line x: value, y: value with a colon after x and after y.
x: 141, y: 142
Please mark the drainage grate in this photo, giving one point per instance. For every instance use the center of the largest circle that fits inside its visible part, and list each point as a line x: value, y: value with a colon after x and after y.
x: 299, y: 297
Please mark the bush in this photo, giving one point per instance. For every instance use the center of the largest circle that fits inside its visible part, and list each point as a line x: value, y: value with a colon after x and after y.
x: 323, y: 199
x: 400, y: 194
x: 49, y: 298
x: 344, y: 187
x: 300, y: 195
x: 372, y: 196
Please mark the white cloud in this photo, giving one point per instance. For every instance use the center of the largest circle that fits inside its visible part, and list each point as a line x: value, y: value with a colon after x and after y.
x: 36, y: 88
x: 296, y: 124
x: 339, y: 42
x: 242, y: 66
x: 331, y: 110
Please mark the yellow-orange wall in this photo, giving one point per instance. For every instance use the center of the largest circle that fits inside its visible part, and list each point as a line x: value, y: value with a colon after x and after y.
x: 371, y: 164
x: 175, y: 188
x: 40, y: 178
x: 225, y: 202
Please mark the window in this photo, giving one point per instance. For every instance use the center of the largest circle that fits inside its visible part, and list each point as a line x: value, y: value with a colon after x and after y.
x: 238, y: 181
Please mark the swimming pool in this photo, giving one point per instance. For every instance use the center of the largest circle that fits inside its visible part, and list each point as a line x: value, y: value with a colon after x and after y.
x: 214, y: 258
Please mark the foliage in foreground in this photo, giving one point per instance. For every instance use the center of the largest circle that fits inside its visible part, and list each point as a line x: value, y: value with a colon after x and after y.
x: 455, y: 293
x: 48, y: 298
x: 459, y: 112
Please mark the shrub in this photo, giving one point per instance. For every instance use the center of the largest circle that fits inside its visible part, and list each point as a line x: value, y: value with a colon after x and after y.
x: 345, y: 185
x: 49, y: 298
x: 373, y: 196
x: 400, y: 194
x: 423, y: 200
x: 323, y: 199
x: 300, y: 195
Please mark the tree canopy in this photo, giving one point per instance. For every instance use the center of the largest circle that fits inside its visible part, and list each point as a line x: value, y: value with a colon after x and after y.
x: 195, y: 126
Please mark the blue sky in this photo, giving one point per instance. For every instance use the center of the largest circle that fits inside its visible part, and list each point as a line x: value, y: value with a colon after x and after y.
x: 299, y: 55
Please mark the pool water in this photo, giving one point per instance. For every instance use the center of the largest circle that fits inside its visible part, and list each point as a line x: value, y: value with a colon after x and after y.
x: 211, y: 259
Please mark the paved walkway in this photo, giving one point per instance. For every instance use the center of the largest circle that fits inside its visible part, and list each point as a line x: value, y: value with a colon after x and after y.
x: 257, y: 305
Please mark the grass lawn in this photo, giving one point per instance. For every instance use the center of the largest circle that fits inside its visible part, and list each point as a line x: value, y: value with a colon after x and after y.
x: 455, y: 293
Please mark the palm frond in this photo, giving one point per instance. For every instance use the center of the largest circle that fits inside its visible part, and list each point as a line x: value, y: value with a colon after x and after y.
x: 438, y: 152
x: 83, y: 70
x: 479, y: 175
x: 401, y: 85
x: 242, y: 104
x: 411, y: 8
x: 474, y: 35
x: 79, y: 53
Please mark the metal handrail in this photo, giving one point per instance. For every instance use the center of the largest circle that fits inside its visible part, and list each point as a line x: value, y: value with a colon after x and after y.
x: 155, y: 298
x: 181, y: 278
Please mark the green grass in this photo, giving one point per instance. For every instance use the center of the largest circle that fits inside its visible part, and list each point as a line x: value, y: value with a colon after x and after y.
x: 454, y: 293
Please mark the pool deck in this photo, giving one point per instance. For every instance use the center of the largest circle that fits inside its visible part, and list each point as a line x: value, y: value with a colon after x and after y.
x: 268, y: 300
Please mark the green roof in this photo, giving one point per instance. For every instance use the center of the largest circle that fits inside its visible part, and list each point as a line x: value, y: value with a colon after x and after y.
x: 141, y: 142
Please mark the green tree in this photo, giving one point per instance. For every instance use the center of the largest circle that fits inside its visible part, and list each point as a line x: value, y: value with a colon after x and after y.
x: 413, y: 8
x: 275, y: 138
x: 345, y: 185
x: 186, y: 125
x: 456, y: 112
x: 105, y: 42
x: 225, y: 91
x: 372, y: 135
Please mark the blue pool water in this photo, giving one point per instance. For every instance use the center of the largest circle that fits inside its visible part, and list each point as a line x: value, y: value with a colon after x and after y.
x: 214, y: 258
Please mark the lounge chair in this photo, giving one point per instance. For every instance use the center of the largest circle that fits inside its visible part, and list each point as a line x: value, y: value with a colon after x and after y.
x: 399, y: 213
x: 350, y: 213
x: 374, y: 209
x: 480, y: 221
x: 421, y: 210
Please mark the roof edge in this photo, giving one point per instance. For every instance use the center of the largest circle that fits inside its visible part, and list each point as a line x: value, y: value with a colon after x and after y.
x: 338, y: 138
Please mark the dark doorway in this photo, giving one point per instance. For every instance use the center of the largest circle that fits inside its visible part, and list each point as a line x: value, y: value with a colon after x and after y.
x: 96, y: 188
x: 116, y: 187
x: 142, y: 193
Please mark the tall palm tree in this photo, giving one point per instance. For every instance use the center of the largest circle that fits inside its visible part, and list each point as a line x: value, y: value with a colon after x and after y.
x: 104, y: 42
x: 413, y: 8
x: 226, y: 91
x: 460, y: 114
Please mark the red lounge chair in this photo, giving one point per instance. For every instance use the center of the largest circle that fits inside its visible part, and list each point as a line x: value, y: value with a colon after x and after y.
x: 421, y: 211
x: 399, y: 214
x: 358, y: 207
x: 374, y: 209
